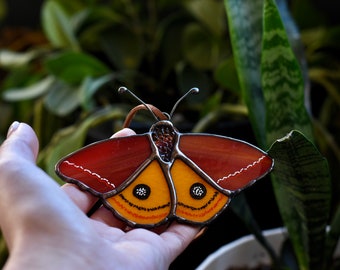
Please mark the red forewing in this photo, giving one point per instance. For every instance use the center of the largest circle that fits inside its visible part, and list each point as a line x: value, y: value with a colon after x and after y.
x: 101, y: 167
x: 231, y: 163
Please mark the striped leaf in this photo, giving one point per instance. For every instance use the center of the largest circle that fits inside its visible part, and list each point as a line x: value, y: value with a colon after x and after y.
x: 282, y: 81
x: 302, y: 185
x: 245, y: 26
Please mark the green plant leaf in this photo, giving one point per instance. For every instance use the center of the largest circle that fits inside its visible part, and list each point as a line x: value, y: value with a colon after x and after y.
x: 71, y: 7
x: 62, y: 98
x: 20, y: 77
x: 79, y: 18
x: 11, y: 59
x: 58, y: 26
x: 226, y: 75
x: 74, y: 67
x: 302, y: 186
x: 245, y: 26
x: 199, y: 47
x: 282, y: 80
x: 89, y: 87
x: 210, y: 13
x: 33, y: 91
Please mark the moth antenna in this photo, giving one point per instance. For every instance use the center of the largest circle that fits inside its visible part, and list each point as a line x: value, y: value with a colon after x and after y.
x: 123, y: 89
x: 193, y: 90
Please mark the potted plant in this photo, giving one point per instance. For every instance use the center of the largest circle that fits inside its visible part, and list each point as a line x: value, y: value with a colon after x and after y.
x: 248, y: 253
x: 301, y: 176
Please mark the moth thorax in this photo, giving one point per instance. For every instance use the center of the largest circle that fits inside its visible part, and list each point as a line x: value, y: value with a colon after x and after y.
x: 164, y: 137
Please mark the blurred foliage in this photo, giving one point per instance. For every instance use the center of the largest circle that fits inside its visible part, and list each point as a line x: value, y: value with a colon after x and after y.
x: 87, y: 49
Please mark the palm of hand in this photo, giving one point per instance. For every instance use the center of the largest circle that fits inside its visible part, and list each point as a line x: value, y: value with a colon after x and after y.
x: 47, y: 226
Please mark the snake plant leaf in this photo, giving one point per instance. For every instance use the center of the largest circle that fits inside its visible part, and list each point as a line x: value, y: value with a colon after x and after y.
x: 282, y: 81
x: 302, y: 186
x: 245, y: 26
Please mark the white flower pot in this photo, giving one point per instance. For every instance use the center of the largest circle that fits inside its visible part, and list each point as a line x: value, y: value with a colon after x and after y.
x: 246, y: 252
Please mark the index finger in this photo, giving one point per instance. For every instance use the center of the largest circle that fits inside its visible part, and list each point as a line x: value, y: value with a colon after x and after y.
x: 21, y: 142
x: 177, y: 237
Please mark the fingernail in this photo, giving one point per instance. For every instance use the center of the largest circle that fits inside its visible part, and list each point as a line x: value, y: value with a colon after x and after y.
x: 13, y: 128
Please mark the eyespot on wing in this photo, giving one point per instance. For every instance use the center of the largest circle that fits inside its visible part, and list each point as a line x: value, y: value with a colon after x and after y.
x: 146, y: 201
x: 198, y: 202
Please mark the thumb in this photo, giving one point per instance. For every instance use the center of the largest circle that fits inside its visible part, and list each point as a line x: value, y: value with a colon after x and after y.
x: 21, y: 142
x: 17, y: 157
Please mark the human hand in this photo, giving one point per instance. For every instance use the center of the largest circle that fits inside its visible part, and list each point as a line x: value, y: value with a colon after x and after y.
x: 46, y: 226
